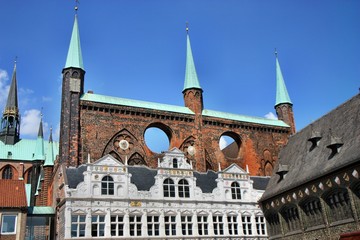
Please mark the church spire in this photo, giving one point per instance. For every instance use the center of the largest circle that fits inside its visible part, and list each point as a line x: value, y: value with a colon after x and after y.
x: 192, y: 91
x: 283, y: 105
x: 49, y: 161
x: 39, y: 149
x: 282, y: 95
x: 10, y: 122
x: 74, y: 57
x: 191, y: 79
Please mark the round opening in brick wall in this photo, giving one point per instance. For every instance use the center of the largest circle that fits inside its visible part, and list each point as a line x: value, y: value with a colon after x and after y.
x: 156, y: 139
x: 229, y: 144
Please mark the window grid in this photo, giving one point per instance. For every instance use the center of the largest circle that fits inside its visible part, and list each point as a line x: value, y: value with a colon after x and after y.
x: 235, y: 190
x: 8, y: 224
x: 184, y: 191
x: 202, y: 225
x: 170, y: 225
x: 186, y: 225
x: 218, y: 225
x: 153, y: 225
x: 97, y: 226
x: 232, y: 225
x: 273, y: 224
x: 107, y: 186
x: 117, y: 225
x: 7, y: 173
x: 169, y: 188
x: 291, y: 216
x: 78, y: 225
x: 135, y: 225
x: 313, y: 212
x: 260, y: 225
x: 246, y: 223
x: 339, y: 204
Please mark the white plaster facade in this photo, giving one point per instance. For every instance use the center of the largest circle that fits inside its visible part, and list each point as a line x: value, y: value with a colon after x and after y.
x: 148, y: 214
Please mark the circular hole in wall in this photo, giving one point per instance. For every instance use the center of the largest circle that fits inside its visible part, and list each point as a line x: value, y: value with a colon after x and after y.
x: 156, y: 139
x: 229, y: 144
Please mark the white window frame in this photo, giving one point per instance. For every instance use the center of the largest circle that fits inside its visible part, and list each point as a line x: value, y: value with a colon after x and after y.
x: 2, y: 224
x: 247, y: 225
x: 78, y: 223
x: 118, y: 223
x: 170, y: 225
x: 100, y: 225
x: 186, y: 225
x: 260, y: 225
x: 135, y: 225
x: 153, y: 225
x: 203, y: 225
x: 232, y: 224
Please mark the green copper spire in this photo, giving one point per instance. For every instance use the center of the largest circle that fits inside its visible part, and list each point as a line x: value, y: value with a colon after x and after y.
x: 282, y: 95
x: 74, y: 57
x: 191, y: 79
x: 12, y: 101
x: 49, y: 161
x: 39, y: 149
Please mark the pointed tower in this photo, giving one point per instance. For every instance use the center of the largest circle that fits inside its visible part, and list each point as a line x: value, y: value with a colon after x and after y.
x: 39, y: 150
x: 72, y: 89
x: 283, y: 105
x: 192, y: 91
x: 10, y: 121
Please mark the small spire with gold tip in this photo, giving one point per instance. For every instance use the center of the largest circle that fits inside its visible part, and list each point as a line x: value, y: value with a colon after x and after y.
x: 76, y: 5
x: 276, y: 53
x: 187, y: 27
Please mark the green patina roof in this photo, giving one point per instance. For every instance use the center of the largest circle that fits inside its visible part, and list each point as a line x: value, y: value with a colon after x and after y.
x: 191, y: 79
x: 282, y: 95
x: 50, y: 158
x: 41, y: 210
x: 242, y: 118
x: 39, y: 149
x: 24, y: 150
x: 171, y: 108
x: 74, y: 57
x: 134, y: 103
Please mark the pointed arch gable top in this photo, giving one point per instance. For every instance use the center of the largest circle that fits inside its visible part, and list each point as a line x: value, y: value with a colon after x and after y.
x: 108, y: 160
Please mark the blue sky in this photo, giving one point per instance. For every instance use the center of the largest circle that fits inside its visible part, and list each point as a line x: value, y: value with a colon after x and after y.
x: 136, y: 49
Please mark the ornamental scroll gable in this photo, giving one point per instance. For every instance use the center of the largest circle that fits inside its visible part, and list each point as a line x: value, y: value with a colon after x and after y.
x: 174, y: 158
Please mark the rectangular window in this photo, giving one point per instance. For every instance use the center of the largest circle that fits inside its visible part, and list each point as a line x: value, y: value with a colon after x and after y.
x: 170, y: 225
x: 218, y: 225
x: 8, y: 224
x: 186, y: 225
x: 78, y: 225
x: 135, y: 225
x: 97, y: 226
x: 260, y: 225
x: 153, y: 225
x: 117, y: 225
x: 202, y: 225
x: 246, y: 223
x: 232, y: 225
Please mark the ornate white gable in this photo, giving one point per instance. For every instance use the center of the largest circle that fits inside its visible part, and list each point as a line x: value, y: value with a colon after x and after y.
x: 174, y: 159
x: 233, y: 168
x: 108, y: 160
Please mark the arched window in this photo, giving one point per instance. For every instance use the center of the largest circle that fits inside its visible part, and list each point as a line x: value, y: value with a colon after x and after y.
x: 7, y: 173
x: 169, y: 188
x: 313, y: 212
x: 291, y: 217
x: 184, y: 191
x: 107, y: 186
x: 235, y: 191
x: 273, y: 223
x: 339, y: 204
x: 28, y: 175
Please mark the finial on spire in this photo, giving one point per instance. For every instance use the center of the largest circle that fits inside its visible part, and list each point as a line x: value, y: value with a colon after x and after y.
x: 276, y: 53
x: 187, y: 27
x: 15, y: 59
x: 76, y: 6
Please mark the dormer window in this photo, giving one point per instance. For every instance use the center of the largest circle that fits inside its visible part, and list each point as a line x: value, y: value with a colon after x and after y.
x: 335, y: 146
x: 283, y: 170
x: 235, y: 191
x: 314, y: 139
x: 175, y: 163
x: 107, y: 186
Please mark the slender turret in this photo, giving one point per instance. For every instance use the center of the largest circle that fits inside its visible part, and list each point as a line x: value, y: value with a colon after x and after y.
x: 283, y: 105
